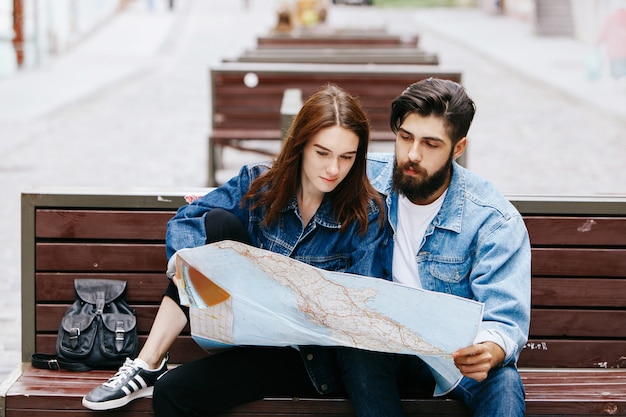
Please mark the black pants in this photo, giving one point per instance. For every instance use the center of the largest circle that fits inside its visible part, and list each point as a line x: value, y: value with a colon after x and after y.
x: 218, y: 382
x: 236, y: 376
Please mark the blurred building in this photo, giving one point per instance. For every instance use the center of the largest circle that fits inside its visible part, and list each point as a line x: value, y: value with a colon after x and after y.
x: 579, y: 19
x: 31, y: 31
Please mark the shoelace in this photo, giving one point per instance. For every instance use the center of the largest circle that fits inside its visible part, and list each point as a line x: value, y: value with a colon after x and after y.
x: 126, y: 370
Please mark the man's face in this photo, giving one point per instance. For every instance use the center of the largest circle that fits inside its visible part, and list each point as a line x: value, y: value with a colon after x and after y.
x: 424, y: 155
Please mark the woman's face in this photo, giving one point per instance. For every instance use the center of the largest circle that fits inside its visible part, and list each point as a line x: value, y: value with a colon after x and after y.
x: 327, y: 158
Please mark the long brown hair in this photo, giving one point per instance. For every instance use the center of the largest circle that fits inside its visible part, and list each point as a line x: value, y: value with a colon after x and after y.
x: 330, y: 106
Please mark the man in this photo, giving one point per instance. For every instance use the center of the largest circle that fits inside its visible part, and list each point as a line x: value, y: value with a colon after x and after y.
x: 454, y: 233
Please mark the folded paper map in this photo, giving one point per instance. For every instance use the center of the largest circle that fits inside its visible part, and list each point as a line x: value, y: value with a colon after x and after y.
x: 242, y: 295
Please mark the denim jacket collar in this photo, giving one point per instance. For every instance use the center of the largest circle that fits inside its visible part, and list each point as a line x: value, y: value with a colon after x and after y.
x: 324, y: 215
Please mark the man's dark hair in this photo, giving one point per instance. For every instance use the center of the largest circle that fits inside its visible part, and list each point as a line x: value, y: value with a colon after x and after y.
x: 436, y: 97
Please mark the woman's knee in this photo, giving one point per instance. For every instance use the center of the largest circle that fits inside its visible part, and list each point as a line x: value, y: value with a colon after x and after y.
x: 223, y: 225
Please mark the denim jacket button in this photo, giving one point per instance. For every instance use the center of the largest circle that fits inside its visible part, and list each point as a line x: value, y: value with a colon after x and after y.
x: 309, y: 357
x: 324, y: 387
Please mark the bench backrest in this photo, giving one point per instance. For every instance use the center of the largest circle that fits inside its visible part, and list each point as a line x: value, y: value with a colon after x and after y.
x: 337, y: 40
x: 578, y: 316
x: 578, y: 284
x: 236, y: 106
x: 410, y: 56
x: 68, y: 236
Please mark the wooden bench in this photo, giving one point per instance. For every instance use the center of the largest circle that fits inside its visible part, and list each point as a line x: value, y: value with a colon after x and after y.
x: 570, y: 366
x: 336, y: 39
x: 405, y: 56
x: 246, y: 99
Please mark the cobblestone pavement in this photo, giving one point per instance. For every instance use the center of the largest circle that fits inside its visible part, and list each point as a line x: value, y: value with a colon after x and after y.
x: 143, y: 121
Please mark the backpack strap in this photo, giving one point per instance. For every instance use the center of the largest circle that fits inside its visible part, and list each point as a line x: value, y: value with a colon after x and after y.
x: 45, y: 361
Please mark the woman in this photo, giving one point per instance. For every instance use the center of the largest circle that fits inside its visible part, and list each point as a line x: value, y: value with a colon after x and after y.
x: 315, y: 204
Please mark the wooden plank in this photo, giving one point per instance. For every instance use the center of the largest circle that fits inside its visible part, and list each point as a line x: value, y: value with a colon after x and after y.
x: 579, y: 392
x: 252, y: 52
x: 564, y: 205
x: 410, y: 56
x: 105, y: 257
x: 544, y: 323
x: 101, y: 224
x: 538, y: 353
x: 568, y: 292
x: 603, y: 324
x: 563, y: 353
x: 576, y: 231
x: 140, y: 287
x: 48, y: 316
x: 582, y: 262
x: 183, y: 350
x: 336, y: 41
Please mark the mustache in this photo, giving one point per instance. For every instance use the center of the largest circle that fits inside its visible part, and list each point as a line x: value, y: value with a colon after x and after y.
x: 412, y: 165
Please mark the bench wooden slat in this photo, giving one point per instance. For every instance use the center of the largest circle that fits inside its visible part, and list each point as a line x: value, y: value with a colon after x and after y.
x: 106, y: 257
x: 578, y: 323
x: 336, y: 40
x: 569, y: 353
x: 539, y: 353
x: 183, y: 350
x: 99, y: 224
x: 234, y: 136
x: 544, y: 391
x: 406, y: 56
x: 568, y: 291
x: 563, y: 322
x: 140, y: 288
x: 583, y: 262
x: 553, y: 230
x: 49, y: 316
x: 553, y: 291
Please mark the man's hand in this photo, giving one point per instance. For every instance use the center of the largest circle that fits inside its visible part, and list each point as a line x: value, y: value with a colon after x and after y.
x: 475, y: 361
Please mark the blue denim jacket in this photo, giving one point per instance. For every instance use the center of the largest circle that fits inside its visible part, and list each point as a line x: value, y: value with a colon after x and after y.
x: 319, y: 244
x: 476, y: 247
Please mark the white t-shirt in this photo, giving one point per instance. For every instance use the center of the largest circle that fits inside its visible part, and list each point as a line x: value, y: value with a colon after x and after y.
x: 413, y: 220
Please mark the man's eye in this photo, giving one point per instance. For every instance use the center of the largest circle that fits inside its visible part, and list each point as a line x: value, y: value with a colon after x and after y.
x: 405, y: 137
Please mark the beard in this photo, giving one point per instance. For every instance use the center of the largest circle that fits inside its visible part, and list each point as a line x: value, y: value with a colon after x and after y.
x: 422, y: 188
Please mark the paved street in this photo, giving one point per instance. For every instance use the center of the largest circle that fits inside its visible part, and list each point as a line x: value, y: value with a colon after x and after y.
x: 130, y: 107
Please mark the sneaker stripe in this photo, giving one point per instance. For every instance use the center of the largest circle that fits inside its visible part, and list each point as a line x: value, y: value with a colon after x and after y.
x: 133, y: 385
x: 126, y: 390
x: 139, y: 379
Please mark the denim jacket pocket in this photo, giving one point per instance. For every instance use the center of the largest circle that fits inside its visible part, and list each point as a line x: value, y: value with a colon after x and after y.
x: 446, y: 274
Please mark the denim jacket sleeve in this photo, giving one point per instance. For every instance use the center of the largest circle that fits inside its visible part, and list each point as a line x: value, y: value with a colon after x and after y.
x: 503, y: 284
x: 186, y: 229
